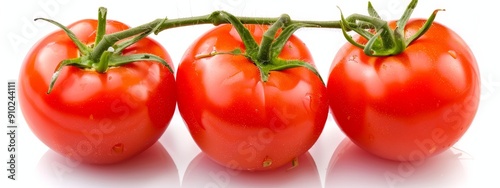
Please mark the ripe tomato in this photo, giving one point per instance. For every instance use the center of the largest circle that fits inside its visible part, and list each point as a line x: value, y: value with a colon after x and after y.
x: 92, y: 117
x: 237, y: 119
x: 409, y: 106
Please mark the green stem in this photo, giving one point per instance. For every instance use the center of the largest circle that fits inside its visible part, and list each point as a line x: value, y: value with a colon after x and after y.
x: 216, y: 18
x: 102, y: 66
x: 111, y: 39
x: 268, y: 37
x: 101, y: 28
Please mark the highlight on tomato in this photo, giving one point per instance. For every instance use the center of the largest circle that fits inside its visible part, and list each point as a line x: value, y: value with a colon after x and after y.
x: 404, y: 90
x: 248, y: 105
x: 96, y: 96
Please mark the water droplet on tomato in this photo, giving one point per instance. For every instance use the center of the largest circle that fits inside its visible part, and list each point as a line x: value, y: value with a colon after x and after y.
x: 433, y: 149
x: 452, y: 53
x: 118, y: 148
x: 308, y: 102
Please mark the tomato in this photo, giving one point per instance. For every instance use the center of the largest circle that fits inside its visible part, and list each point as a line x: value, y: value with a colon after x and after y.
x: 237, y: 119
x: 92, y: 117
x: 410, y: 106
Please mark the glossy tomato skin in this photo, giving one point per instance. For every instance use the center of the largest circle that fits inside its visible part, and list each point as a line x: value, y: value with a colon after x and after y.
x: 409, y: 106
x: 240, y: 121
x: 92, y: 117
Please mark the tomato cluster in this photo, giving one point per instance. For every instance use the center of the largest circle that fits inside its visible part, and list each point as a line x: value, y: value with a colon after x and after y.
x: 402, y: 107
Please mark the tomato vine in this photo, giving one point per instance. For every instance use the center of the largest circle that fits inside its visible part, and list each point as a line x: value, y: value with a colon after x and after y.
x: 106, y: 51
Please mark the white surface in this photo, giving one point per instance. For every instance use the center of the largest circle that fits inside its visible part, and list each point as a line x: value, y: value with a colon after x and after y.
x: 333, y: 160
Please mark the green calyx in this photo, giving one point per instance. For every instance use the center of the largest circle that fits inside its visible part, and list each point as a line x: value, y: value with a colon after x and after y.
x: 106, y: 51
x: 265, y: 55
x: 382, y: 40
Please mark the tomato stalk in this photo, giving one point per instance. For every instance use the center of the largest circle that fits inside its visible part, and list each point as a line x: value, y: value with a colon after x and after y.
x: 215, y: 18
x: 102, y: 65
x: 101, y: 27
x: 263, y: 53
x: 382, y: 40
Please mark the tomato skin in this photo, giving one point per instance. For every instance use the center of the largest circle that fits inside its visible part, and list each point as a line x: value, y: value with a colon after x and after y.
x: 240, y: 121
x: 92, y: 117
x: 409, y: 106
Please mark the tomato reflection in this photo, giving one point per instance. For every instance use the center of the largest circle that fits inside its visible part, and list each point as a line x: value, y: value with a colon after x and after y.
x: 350, y: 166
x: 152, y: 167
x: 203, y: 172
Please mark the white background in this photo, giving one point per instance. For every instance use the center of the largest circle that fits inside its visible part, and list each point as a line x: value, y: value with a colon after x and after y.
x: 332, y: 162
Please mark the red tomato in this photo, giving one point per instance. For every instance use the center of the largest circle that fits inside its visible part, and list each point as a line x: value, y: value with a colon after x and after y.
x: 409, y: 106
x: 92, y: 117
x: 237, y: 119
